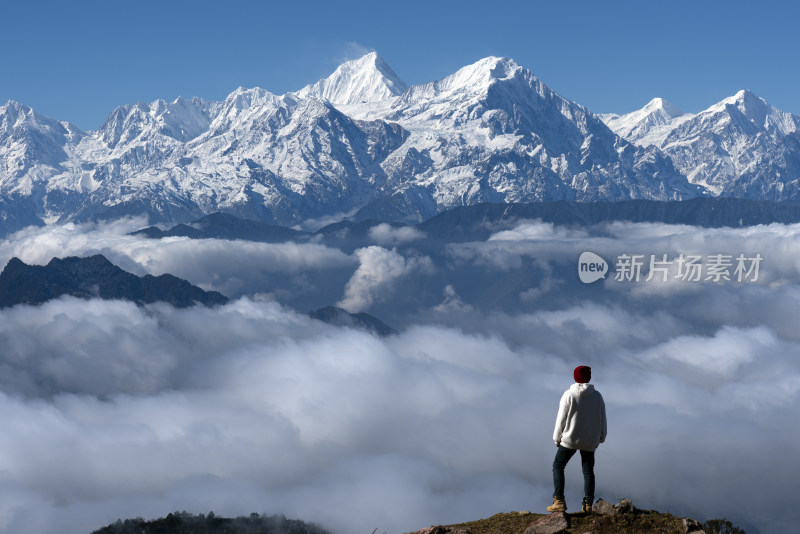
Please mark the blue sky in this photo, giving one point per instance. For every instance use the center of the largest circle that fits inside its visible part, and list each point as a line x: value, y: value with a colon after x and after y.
x: 77, y: 61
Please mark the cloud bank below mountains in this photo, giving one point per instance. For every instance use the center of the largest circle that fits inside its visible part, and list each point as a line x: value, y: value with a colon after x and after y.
x: 111, y: 410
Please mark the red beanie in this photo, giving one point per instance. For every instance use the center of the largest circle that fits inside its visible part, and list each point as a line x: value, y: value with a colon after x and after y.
x: 582, y: 374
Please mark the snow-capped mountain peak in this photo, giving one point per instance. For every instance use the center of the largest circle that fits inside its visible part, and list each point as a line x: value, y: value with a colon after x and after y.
x: 180, y: 119
x: 367, y: 79
x: 481, y: 73
x: 242, y: 107
x: 456, y: 98
x: 741, y: 146
x: 745, y: 101
x: 31, y: 144
x: 12, y: 111
x: 755, y: 109
x: 243, y: 98
x: 660, y: 106
x: 16, y: 115
x: 649, y: 125
x: 741, y: 99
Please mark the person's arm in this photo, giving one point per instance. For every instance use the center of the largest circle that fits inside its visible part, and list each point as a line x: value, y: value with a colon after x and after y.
x: 561, y: 419
x: 603, y: 428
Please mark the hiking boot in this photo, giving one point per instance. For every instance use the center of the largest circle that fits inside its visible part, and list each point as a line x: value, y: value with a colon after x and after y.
x: 586, y: 507
x: 559, y: 505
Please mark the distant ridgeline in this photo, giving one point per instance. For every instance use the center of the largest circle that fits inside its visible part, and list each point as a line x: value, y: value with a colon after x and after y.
x: 182, y: 522
x: 361, y: 321
x: 95, y: 277
x: 481, y: 220
x: 226, y: 226
x: 705, y: 212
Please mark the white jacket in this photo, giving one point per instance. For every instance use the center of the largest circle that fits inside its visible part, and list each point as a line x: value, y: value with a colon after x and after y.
x: 581, y: 421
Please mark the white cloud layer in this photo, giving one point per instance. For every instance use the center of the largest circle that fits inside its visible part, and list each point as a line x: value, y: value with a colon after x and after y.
x: 112, y: 411
x: 250, y: 407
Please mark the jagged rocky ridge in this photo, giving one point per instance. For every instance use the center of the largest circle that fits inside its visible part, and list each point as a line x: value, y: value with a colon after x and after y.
x: 95, y: 277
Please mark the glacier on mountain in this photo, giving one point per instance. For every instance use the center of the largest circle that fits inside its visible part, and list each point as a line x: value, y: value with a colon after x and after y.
x: 362, y: 142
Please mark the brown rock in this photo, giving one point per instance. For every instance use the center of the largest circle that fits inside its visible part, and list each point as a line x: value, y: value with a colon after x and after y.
x: 443, y: 530
x: 625, y: 506
x: 692, y: 526
x: 603, y: 507
x: 555, y: 523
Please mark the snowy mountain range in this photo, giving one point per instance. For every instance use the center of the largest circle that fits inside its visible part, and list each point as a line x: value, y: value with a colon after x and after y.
x: 740, y: 147
x: 363, y: 143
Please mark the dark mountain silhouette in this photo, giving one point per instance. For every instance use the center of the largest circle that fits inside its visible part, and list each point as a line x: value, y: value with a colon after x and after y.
x: 363, y: 321
x: 95, y: 277
x: 481, y: 220
x: 226, y: 226
x: 183, y: 523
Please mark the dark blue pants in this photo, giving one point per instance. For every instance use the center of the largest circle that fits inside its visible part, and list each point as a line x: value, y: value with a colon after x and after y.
x: 563, y: 455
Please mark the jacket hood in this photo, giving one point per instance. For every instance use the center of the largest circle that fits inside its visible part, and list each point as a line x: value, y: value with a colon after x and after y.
x: 582, y: 389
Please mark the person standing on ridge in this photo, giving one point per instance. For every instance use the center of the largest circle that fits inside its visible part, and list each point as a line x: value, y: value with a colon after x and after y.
x: 580, y: 426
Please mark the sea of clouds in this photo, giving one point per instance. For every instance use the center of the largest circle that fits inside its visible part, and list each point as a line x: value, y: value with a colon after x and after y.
x: 111, y: 410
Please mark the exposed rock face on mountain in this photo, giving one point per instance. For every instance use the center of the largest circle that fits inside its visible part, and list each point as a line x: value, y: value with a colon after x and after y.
x: 740, y: 147
x: 95, y: 277
x: 359, y: 141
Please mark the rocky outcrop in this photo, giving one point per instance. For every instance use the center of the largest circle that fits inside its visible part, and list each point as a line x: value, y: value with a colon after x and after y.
x: 606, y: 518
x: 555, y: 523
x: 602, y: 507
